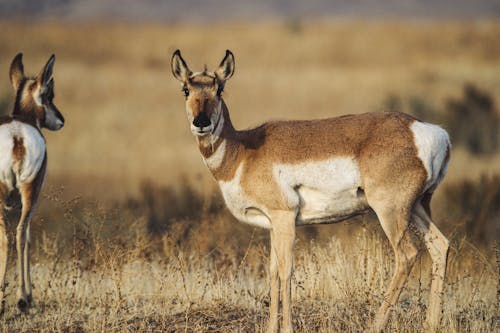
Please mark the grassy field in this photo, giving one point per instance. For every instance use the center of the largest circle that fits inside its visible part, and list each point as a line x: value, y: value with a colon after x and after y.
x: 160, y: 287
x: 131, y: 234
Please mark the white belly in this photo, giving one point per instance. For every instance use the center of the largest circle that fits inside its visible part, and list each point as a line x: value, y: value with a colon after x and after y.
x: 323, y: 191
x: 320, y: 192
x: 317, y: 206
x: 34, y: 147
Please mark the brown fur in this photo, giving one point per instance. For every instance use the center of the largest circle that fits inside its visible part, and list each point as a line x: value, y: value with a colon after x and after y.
x: 18, y: 151
x: 203, y: 89
x: 25, y: 108
x: 5, y: 119
x: 392, y: 180
x: 364, y: 137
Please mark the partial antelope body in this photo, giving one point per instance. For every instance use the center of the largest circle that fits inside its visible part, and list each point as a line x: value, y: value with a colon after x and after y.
x: 23, y: 162
x: 289, y: 173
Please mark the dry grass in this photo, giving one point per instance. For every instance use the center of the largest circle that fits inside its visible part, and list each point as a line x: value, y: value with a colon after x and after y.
x: 337, y: 287
x: 171, y: 259
x: 100, y: 268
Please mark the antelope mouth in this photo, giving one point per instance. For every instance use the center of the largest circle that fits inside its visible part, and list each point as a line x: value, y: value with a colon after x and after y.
x: 201, y: 131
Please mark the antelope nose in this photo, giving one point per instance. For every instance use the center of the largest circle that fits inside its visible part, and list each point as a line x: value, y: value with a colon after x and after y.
x: 201, y: 120
x: 60, y: 122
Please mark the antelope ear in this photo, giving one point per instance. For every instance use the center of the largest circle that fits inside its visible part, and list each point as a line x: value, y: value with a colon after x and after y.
x: 179, y: 67
x: 46, y: 74
x: 226, y: 67
x: 16, y: 71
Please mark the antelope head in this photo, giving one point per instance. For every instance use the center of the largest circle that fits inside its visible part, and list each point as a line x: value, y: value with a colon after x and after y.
x: 35, y: 95
x: 203, y: 92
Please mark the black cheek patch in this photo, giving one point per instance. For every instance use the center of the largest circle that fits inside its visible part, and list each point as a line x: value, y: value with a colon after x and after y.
x: 220, y: 89
x: 58, y: 114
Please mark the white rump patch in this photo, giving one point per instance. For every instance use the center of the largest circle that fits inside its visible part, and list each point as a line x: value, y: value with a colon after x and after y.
x: 6, y: 159
x: 323, y: 191
x: 34, y: 145
x: 432, y: 143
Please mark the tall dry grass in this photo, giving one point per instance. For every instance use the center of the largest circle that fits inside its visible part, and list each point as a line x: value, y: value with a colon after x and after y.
x: 141, y: 266
x: 110, y: 274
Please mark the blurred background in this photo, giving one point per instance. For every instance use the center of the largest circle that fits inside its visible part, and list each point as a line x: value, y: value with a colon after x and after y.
x: 125, y: 176
x: 126, y: 139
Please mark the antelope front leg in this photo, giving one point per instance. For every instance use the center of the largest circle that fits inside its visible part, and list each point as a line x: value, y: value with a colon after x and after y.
x: 272, y: 326
x: 27, y: 200
x: 283, y: 239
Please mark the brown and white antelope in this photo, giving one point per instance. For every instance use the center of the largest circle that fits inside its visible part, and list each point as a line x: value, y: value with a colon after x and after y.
x: 23, y: 162
x: 285, y: 174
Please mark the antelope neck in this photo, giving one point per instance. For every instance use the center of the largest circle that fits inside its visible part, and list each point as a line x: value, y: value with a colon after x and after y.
x: 214, y: 147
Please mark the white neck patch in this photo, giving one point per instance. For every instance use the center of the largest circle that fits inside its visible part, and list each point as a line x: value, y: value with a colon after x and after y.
x: 219, y: 124
x: 215, y: 160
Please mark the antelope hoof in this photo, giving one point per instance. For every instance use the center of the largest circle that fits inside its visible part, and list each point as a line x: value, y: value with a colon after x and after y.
x: 23, y: 305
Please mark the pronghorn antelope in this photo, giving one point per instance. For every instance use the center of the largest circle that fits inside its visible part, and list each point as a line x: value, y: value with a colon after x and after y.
x: 285, y: 174
x: 23, y: 162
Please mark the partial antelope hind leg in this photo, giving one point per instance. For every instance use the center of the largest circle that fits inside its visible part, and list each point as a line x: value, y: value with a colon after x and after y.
x: 438, y: 246
x: 394, y: 216
x: 29, y: 196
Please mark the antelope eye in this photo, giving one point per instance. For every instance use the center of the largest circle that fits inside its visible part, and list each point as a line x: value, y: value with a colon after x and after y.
x: 185, y: 91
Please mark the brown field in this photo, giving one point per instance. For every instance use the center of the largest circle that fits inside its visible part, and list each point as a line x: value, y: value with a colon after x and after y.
x: 131, y: 234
